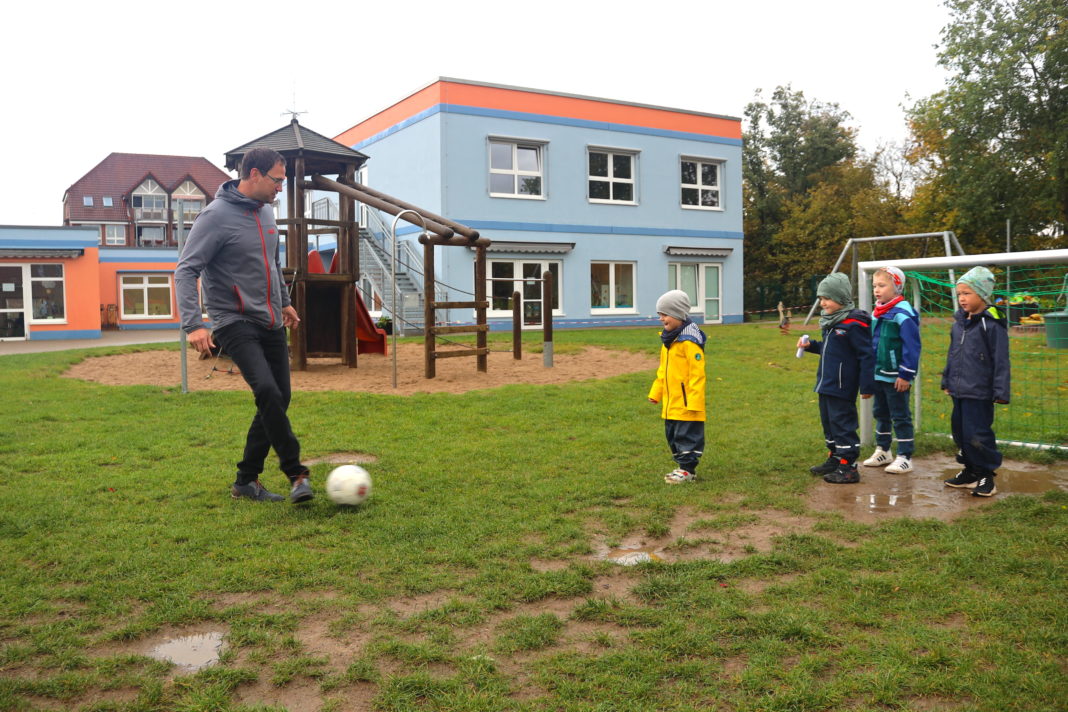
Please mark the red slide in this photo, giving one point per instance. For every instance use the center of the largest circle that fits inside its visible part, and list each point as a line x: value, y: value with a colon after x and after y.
x: 369, y: 338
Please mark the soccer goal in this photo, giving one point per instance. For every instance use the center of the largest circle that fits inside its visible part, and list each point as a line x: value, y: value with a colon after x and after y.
x: 1029, y: 286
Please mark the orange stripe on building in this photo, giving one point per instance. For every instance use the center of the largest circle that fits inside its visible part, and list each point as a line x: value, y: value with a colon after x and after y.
x: 532, y: 102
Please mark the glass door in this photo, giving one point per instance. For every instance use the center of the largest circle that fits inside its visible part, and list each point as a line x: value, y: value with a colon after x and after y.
x: 12, y: 303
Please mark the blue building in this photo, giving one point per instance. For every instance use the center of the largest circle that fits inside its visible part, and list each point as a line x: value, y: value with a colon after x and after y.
x: 619, y: 201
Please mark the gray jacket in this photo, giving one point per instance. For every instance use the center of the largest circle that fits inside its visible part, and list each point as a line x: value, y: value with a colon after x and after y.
x: 233, y: 249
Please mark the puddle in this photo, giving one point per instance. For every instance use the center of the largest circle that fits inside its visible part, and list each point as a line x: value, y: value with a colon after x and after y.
x: 192, y: 652
x: 632, y: 555
x: 921, y: 493
x: 342, y: 458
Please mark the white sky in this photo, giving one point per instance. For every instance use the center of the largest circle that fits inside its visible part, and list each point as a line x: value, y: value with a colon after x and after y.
x: 82, y: 80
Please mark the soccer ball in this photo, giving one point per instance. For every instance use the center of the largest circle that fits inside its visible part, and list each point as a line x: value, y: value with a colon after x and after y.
x: 348, y: 484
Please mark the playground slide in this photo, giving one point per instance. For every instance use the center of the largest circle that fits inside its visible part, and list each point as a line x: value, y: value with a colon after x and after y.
x: 369, y: 338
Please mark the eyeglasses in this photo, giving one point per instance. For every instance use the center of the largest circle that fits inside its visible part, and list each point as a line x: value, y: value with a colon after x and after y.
x: 277, y: 181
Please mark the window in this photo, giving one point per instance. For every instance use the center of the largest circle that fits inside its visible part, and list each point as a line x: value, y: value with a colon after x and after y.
x: 612, y: 286
x: 146, y: 296
x: 611, y: 176
x: 107, y: 201
x: 515, y: 169
x: 701, y: 282
x: 192, y: 201
x: 149, y: 201
x: 523, y: 276
x: 700, y: 183
x: 87, y: 201
x: 114, y: 234
x: 150, y: 235
x: 46, y: 292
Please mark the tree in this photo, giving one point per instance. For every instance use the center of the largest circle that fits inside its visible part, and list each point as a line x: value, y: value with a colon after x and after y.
x: 994, y: 142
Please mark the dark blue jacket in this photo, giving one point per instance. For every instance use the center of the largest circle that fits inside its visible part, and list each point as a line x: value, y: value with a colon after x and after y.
x: 977, y: 365
x: 847, y: 362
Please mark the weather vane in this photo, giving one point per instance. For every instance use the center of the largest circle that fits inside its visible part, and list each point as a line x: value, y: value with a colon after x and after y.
x: 293, y: 112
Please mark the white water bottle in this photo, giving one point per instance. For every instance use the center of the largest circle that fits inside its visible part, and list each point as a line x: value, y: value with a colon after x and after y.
x: 804, y: 343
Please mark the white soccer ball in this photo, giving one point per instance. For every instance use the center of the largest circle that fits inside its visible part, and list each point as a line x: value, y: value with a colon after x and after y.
x: 348, y: 484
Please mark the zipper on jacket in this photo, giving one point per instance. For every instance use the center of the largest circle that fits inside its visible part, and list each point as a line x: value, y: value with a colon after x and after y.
x: 266, y: 266
x: 839, y: 375
x: 240, y: 301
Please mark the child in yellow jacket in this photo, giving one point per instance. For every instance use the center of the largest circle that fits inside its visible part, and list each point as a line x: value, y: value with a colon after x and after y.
x: 680, y: 385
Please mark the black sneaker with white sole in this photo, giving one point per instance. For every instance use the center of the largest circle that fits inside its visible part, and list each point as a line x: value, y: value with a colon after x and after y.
x: 985, y: 487
x: 965, y: 479
x: 254, y: 491
x: 844, y: 474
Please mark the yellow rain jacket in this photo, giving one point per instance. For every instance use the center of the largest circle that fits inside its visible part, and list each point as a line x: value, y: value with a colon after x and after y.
x: 680, y: 380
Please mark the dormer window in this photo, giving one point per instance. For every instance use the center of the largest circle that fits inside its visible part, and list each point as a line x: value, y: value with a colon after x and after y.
x: 87, y: 201
x: 192, y: 201
x: 107, y: 201
x: 150, y: 201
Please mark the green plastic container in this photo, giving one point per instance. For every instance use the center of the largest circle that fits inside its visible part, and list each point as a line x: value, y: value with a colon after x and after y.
x: 1057, y: 329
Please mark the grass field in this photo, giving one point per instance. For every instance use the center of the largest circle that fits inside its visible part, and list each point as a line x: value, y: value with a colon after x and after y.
x: 470, y: 580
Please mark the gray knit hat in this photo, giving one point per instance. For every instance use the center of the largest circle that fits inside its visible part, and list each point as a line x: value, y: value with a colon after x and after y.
x: 836, y: 287
x: 981, y: 281
x: 674, y: 303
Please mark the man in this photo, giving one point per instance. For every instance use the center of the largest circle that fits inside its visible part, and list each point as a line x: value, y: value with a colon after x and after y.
x: 233, y: 249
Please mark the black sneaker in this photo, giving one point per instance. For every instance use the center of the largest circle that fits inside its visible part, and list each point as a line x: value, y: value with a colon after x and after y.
x: 254, y: 491
x: 826, y: 468
x: 985, y: 487
x: 965, y: 479
x: 302, y: 490
x: 845, y: 473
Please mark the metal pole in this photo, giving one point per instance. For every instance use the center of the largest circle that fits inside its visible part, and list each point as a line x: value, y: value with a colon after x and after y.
x: 917, y: 387
x: 182, y: 346
x: 864, y: 296
x: 393, y: 285
x: 517, y: 327
x: 1008, y: 268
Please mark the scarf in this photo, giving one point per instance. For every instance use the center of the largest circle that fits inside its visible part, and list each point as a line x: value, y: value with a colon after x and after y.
x: 668, y: 337
x: 881, y: 309
x: 829, y: 320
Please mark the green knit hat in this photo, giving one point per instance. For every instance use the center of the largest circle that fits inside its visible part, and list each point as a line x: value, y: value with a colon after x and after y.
x: 981, y: 281
x: 836, y: 286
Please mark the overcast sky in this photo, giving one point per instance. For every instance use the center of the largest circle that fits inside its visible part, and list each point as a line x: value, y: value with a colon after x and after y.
x: 82, y: 80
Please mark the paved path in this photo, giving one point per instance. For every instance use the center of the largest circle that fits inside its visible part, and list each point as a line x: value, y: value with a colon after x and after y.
x: 107, y: 338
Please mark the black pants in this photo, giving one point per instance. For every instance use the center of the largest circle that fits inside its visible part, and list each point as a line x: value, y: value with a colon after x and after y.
x: 973, y: 432
x: 840, y: 423
x: 262, y: 355
x: 686, y: 438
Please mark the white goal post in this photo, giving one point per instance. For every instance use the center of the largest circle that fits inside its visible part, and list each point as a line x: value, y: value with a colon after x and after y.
x: 865, y: 270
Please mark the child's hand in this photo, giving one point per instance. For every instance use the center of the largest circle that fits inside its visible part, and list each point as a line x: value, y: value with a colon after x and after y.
x: 946, y: 391
x: 901, y: 385
x: 1001, y: 402
x: 865, y: 396
x: 801, y: 343
x: 653, y: 401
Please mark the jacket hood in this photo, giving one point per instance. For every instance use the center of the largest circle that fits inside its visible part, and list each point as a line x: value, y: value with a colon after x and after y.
x: 228, y: 191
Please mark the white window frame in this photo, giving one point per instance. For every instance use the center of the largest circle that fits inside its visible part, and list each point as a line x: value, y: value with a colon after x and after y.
x: 29, y: 279
x: 611, y: 178
x: 152, y: 189
x: 119, y: 240
x: 702, y: 297
x: 87, y: 201
x: 516, y: 173
x: 107, y: 201
x: 517, y: 285
x: 139, y: 238
x: 699, y: 185
x: 612, y: 287
x: 144, y: 285
x: 188, y: 192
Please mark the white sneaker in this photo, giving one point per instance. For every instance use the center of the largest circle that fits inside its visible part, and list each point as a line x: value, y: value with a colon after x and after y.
x: 878, y: 458
x: 899, y: 466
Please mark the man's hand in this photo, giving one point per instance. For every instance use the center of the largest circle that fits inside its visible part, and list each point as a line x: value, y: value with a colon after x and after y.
x: 289, y: 317
x: 201, y: 341
x: 865, y: 396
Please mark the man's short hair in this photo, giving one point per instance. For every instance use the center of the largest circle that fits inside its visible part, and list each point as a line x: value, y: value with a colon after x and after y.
x: 262, y: 159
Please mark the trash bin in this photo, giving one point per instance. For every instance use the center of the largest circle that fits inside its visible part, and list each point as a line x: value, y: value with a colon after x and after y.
x: 1057, y: 329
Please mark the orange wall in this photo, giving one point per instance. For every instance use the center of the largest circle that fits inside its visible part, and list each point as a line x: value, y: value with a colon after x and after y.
x: 109, y: 287
x: 533, y: 102
x: 81, y: 292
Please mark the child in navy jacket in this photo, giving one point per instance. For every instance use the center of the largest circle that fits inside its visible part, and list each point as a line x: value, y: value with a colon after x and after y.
x: 847, y: 365
x: 977, y: 375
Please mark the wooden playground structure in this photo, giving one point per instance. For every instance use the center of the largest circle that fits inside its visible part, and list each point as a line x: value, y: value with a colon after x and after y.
x: 328, y: 302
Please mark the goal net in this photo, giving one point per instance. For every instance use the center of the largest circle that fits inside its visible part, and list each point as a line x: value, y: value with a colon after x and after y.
x: 1031, y: 291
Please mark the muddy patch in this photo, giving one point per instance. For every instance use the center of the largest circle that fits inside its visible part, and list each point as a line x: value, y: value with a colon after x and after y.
x: 921, y: 494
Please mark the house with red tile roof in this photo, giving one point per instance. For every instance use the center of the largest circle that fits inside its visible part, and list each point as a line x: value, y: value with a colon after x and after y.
x: 133, y: 198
